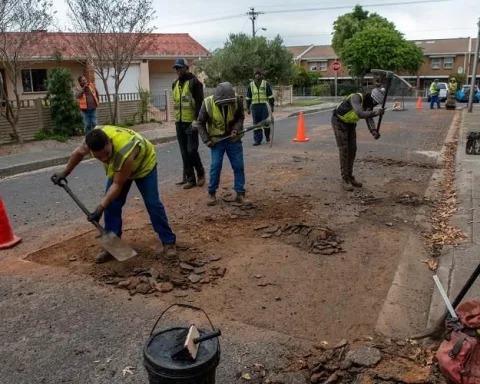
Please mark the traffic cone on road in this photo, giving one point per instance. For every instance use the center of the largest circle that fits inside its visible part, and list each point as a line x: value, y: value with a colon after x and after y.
x: 419, y: 102
x: 301, y: 135
x: 7, y: 238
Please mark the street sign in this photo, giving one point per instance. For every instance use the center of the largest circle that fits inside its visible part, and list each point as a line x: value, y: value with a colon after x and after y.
x: 336, y: 66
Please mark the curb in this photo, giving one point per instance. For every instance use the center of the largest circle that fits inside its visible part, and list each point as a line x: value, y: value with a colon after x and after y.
x: 403, y: 312
x: 33, y: 166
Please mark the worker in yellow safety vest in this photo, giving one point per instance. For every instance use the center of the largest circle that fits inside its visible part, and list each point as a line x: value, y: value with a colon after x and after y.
x: 259, y: 93
x: 188, y: 98
x: 344, y: 122
x: 127, y: 156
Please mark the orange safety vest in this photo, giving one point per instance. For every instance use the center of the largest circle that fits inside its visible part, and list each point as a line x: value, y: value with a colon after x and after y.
x: 83, y: 100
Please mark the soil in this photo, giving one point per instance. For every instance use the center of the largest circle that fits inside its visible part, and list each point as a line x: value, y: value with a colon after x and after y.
x: 291, y: 262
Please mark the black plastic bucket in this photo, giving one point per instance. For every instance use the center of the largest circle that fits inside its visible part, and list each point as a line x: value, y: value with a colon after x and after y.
x: 162, y: 369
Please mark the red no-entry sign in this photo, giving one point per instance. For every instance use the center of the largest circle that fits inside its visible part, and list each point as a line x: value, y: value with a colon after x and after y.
x: 336, y: 66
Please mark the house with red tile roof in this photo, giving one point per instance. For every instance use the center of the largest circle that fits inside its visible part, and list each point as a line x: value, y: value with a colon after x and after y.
x: 153, y: 70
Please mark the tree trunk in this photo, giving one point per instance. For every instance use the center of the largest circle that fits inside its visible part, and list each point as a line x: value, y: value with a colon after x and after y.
x: 13, y: 116
x: 110, y: 109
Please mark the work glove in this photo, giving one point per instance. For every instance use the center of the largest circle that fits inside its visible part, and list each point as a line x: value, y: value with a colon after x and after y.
x: 209, y: 144
x: 96, y: 215
x: 375, y: 134
x: 193, y: 127
x: 380, y: 111
x: 249, y: 111
x: 59, y: 176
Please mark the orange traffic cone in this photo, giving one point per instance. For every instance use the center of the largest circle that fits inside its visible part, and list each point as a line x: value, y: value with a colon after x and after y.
x: 419, y: 102
x: 7, y: 238
x: 301, y: 135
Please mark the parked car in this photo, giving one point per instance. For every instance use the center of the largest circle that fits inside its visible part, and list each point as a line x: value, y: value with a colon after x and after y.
x: 443, y: 87
x: 464, y: 93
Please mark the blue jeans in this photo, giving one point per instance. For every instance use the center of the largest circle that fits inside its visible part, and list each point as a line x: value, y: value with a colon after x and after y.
x: 235, y: 155
x: 148, y: 187
x: 434, y: 100
x: 89, y: 119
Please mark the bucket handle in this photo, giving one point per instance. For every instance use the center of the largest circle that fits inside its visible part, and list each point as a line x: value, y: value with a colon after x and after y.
x: 184, y: 306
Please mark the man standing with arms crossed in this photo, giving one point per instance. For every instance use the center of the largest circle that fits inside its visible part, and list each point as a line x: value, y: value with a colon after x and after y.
x: 87, y: 96
x: 259, y: 93
x: 188, y: 98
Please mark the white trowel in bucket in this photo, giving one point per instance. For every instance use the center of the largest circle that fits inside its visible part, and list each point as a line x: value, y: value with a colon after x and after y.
x: 107, y: 240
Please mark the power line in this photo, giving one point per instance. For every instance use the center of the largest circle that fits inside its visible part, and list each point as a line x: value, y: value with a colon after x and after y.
x: 364, y: 5
x: 254, y: 14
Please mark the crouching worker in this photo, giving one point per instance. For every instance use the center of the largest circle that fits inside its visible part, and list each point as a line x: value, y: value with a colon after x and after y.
x: 221, y: 116
x: 127, y: 156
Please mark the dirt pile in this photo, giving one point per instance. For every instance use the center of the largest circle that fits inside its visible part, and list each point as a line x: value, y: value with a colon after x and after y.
x: 367, y: 361
x: 189, y: 272
x: 314, y: 239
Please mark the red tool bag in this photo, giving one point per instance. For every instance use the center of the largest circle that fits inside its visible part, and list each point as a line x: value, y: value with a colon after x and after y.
x: 459, y: 354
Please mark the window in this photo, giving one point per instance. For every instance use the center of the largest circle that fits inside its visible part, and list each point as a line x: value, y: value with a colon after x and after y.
x: 435, y: 63
x: 323, y: 66
x: 33, y: 80
x: 313, y: 66
x: 448, y: 62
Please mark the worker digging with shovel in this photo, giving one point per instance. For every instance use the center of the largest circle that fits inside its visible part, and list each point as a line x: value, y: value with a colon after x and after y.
x: 127, y: 156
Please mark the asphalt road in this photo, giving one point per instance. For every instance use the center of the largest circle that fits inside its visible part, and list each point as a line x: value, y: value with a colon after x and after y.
x: 32, y: 200
x: 59, y: 328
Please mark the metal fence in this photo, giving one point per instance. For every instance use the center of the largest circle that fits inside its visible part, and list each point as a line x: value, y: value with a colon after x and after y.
x: 157, y: 109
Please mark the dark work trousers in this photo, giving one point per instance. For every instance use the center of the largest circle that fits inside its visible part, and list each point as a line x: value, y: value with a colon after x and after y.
x: 260, y: 113
x: 346, y: 137
x: 188, y: 142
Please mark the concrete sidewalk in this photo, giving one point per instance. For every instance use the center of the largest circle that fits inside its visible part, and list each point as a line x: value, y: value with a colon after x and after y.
x: 41, y: 158
x: 457, y: 263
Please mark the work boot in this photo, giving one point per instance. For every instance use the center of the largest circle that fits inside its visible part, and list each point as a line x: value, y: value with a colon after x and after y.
x: 201, y: 181
x: 355, y: 183
x: 189, y: 185
x: 211, y: 199
x: 103, y: 257
x: 268, y: 139
x: 240, y: 198
x: 347, y: 186
x: 170, y: 251
x: 255, y: 144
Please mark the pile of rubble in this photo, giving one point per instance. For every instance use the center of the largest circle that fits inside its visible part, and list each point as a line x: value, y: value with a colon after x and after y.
x: 315, y: 239
x: 411, y: 198
x: 188, y: 273
x: 398, y: 163
x: 367, y: 361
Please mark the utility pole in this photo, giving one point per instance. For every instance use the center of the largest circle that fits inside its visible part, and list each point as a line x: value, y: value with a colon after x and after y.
x: 474, y: 73
x: 253, y: 16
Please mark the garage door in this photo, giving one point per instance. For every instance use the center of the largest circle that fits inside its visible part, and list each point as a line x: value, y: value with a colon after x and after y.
x: 161, y: 81
x: 128, y: 85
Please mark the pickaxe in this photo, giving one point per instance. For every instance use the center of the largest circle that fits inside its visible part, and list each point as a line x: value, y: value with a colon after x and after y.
x: 389, y: 76
x: 265, y: 123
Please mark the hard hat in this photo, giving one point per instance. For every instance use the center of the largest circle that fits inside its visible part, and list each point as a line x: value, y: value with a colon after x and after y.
x: 378, y: 95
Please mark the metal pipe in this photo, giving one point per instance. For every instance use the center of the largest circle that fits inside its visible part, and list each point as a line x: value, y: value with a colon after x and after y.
x: 474, y: 73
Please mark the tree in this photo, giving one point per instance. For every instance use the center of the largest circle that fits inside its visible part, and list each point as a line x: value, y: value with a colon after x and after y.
x: 364, y: 41
x: 112, y: 34
x: 66, y: 117
x: 242, y: 54
x: 22, y: 26
x: 304, y: 78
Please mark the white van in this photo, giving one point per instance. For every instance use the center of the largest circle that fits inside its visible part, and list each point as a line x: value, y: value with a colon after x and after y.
x: 443, y: 87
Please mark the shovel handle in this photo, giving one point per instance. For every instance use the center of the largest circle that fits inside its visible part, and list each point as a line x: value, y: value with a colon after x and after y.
x: 64, y: 184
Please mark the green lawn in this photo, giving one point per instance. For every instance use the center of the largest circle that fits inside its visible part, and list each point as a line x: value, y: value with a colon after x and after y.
x: 306, y: 103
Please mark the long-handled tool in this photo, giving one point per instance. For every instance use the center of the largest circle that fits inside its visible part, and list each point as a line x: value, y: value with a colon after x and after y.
x: 268, y: 121
x: 107, y: 240
x: 438, y: 328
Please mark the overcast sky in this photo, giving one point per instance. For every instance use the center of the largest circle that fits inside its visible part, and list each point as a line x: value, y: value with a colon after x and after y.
x: 300, y: 26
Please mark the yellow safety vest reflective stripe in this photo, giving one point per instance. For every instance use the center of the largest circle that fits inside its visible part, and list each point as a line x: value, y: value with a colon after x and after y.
x: 124, y: 141
x: 259, y: 95
x: 216, y: 124
x: 184, y: 104
x: 351, y: 116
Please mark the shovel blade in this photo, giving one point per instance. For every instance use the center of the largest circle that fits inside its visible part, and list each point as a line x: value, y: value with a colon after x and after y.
x: 116, y: 247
